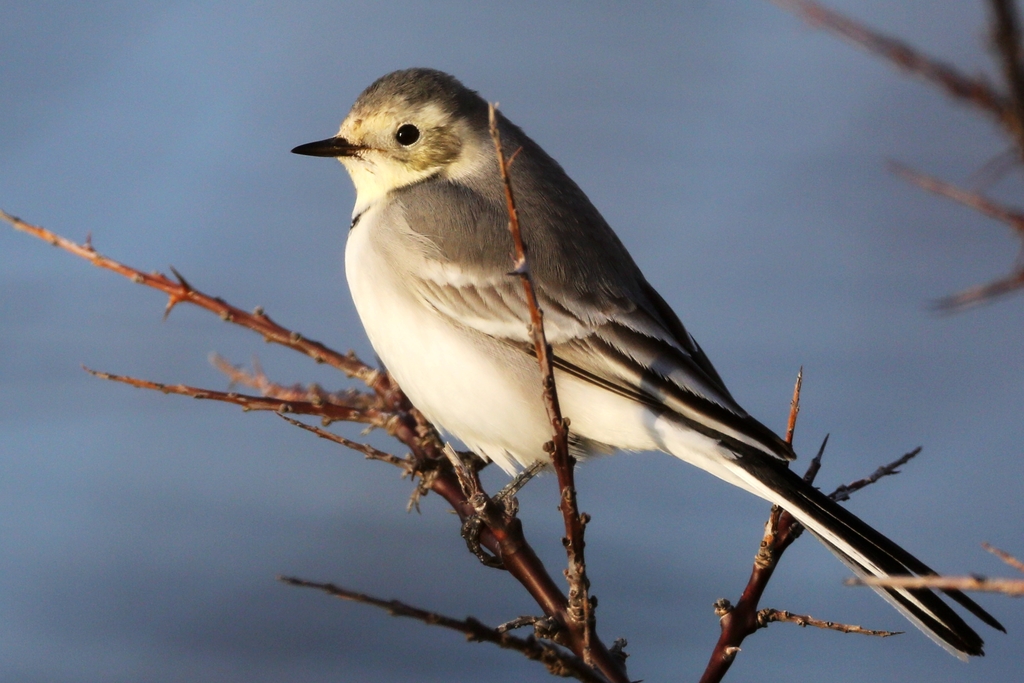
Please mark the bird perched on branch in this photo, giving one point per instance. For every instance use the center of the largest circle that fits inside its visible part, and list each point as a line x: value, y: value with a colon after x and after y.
x: 428, y: 262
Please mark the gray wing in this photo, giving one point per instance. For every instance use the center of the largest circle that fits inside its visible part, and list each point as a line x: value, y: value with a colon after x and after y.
x: 605, y: 323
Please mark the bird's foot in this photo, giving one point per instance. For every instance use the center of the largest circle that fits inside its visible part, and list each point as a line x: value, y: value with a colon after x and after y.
x: 505, y: 501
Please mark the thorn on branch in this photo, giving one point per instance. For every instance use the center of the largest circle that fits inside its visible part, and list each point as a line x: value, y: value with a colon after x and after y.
x: 815, y: 466
x: 181, y: 280
x: 794, y: 406
x: 512, y: 158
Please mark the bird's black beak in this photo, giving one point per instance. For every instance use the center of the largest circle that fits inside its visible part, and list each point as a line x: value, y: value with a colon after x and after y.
x: 331, y: 147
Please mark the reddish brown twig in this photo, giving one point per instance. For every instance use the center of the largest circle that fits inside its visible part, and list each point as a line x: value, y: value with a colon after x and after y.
x: 973, y: 90
x: 580, y: 617
x: 794, y: 406
x: 503, y: 536
x: 558, y: 661
x: 768, y: 615
x: 247, y: 402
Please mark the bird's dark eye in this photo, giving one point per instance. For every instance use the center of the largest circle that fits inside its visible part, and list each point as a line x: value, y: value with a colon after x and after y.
x: 407, y: 134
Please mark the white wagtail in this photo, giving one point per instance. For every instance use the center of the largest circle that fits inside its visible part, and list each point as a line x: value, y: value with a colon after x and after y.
x: 428, y: 261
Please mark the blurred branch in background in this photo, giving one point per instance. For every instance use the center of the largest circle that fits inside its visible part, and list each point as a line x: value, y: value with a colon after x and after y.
x: 1003, y: 102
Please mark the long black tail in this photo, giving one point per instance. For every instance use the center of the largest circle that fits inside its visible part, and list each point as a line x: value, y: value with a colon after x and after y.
x: 867, y: 553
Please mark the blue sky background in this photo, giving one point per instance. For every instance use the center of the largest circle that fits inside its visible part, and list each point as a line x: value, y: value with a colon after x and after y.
x: 739, y: 154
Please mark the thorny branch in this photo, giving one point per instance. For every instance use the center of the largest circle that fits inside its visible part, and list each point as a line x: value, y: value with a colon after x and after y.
x: 181, y: 291
x: 768, y: 615
x: 781, y: 530
x: 328, y: 412
x: 581, y: 605
x: 407, y: 425
x: 557, y: 661
x: 385, y: 407
x: 844, y: 491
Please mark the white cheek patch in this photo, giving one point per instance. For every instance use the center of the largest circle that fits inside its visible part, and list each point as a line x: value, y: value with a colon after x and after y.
x: 375, y: 174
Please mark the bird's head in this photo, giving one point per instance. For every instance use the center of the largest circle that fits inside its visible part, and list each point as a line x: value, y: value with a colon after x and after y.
x: 409, y: 125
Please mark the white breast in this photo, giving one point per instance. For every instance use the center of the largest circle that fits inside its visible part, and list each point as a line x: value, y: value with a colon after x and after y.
x: 466, y: 383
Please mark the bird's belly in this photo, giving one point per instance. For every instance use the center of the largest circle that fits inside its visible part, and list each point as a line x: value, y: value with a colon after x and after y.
x: 481, y: 391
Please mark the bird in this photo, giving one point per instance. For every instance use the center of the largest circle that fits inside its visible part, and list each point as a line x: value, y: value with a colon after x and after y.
x: 429, y: 260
